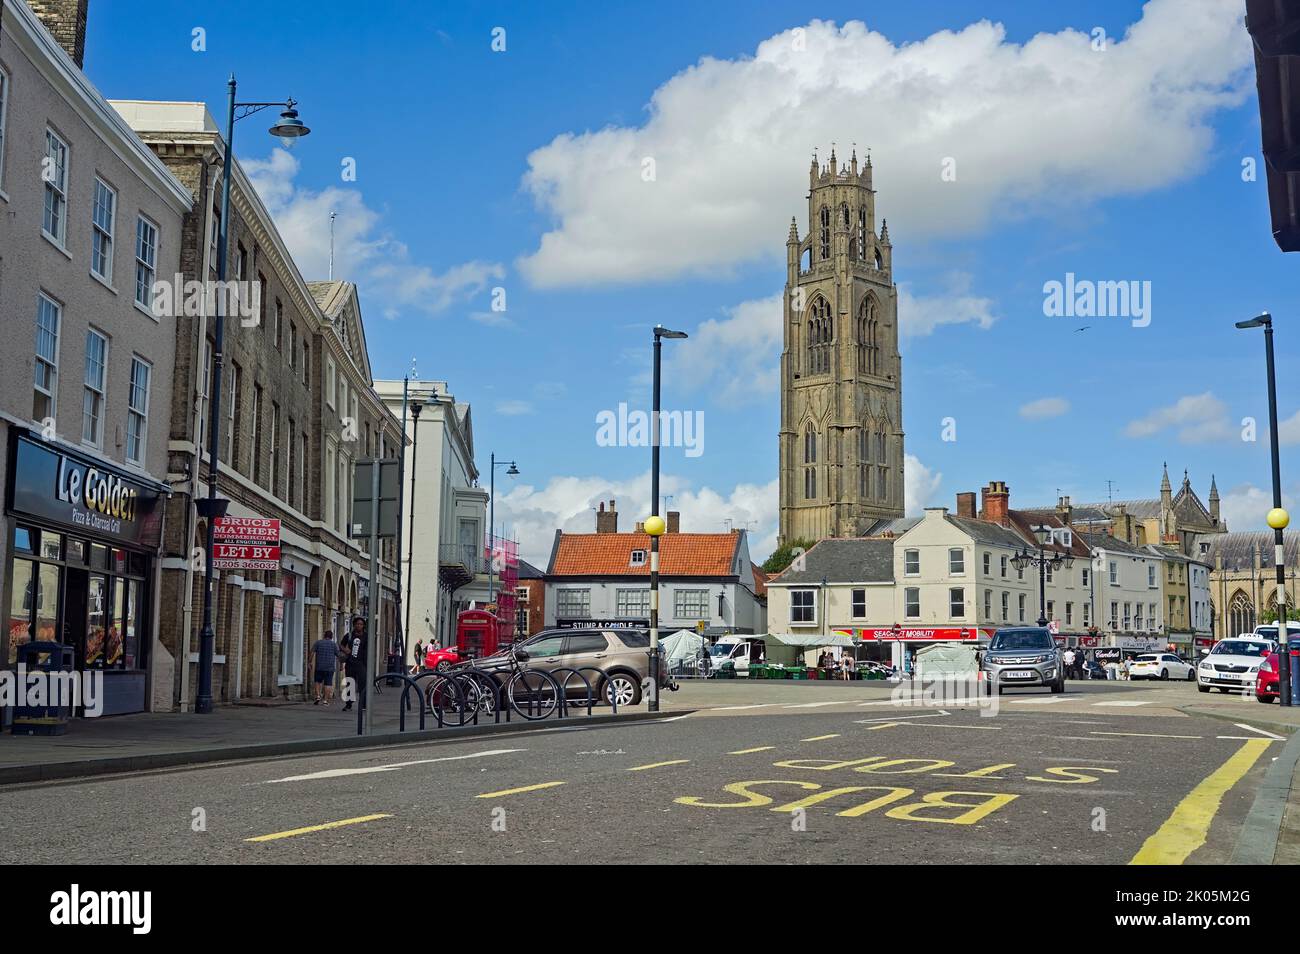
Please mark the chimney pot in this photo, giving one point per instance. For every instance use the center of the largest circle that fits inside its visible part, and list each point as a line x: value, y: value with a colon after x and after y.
x: 966, y: 505
x: 674, y: 522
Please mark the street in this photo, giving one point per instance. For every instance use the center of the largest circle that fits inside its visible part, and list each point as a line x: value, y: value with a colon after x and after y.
x: 1105, y: 774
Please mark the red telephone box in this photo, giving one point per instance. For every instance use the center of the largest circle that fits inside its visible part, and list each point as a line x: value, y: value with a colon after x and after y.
x: 477, y: 633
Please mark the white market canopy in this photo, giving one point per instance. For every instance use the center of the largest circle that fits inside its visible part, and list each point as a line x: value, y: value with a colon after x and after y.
x: 809, y: 640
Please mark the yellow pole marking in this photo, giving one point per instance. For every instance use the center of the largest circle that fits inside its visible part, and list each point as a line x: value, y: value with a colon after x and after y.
x: 1147, y: 735
x: 276, y: 836
x: 761, y: 748
x: 819, y: 738
x: 516, y: 791
x: 883, y: 725
x: 642, y: 768
x: 1186, y: 829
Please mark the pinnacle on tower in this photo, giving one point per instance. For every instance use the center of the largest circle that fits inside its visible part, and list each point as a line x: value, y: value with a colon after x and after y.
x: 1165, y: 486
x: 884, y: 231
x: 794, y: 231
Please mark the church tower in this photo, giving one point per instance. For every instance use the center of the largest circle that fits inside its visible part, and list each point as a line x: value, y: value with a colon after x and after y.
x: 841, y: 440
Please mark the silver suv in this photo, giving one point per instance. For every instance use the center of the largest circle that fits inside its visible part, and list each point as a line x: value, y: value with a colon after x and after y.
x: 1023, y: 656
x: 622, y: 657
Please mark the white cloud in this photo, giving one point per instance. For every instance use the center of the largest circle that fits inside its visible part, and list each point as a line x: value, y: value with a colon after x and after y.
x: 1245, y: 506
x: 737, y: 358
x: 1044, y: 408
x: 1039, y: 127
x: 1198, y: 419
x: 514, y: 408
x: 364, y: 251
x: 533, y: 514
x: 920, y: 484
x: 920, y: 316
x: 1288, y: 430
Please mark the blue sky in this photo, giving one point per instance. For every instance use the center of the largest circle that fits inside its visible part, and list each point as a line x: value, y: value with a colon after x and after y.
x: 1122, y: 163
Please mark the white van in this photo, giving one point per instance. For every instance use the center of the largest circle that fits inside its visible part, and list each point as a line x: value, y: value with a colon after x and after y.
x: 740, y: 650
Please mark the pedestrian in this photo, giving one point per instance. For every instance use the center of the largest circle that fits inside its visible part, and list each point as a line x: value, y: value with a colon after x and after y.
x: 1069, y: 663
x: 355, y: 664
x: 324, y: 657
x: 418, y: 657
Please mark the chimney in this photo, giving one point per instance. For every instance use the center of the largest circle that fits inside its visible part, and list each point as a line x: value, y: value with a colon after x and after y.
x: 995, y: 500
x: 66, y: 21
x: 674, y: 521
x: 1064, y: 510
x: 606, y: 520
x: 966, y: 505
x: 640, y: 527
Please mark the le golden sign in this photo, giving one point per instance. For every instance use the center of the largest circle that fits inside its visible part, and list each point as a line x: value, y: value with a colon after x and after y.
x: 102, y: 493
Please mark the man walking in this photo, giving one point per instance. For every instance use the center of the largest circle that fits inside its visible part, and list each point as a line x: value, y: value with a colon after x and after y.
x: 1069, y: 663
x: 324, y: 658
x: 355, y: 666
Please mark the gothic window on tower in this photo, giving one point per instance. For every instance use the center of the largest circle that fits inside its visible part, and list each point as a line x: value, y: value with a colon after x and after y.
x: 882, y: 471
x: 810, y: 463
x: 826, y: 232
x: 821, y: 332
x: 864, y: 461
x: 862, y: 234
x: 880, y: 262
x: 868, y: 333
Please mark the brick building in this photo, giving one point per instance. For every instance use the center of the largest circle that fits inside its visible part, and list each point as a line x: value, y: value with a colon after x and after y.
x: 530, y: 600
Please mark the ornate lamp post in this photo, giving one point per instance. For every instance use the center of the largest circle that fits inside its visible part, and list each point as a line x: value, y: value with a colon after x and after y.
x: 1026, y: 558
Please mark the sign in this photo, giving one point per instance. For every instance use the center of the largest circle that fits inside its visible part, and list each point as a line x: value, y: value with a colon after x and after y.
x: 1054, y: 626
x: 82, y: 495
x: 246, y: 543
x: 968, y: 634
x: 277, y: 620
x: 601, y: 623
x: 362, y: 491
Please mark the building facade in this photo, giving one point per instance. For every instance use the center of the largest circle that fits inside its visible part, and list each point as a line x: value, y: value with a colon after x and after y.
x: 90, y: 222
x: 530, y: 600
x: 841, y: 438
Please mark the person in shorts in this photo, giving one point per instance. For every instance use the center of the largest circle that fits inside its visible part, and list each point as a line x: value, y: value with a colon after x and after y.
x: 324, y: 658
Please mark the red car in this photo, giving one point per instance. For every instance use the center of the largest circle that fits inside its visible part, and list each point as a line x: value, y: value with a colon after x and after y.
x: 442, y: 659
x: 1266, y: 679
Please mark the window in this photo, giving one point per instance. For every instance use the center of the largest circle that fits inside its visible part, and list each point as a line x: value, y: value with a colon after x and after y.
x: 988, y: 563
x: 911, y: 562
x: 291, y: 486
x: 92, y: 401
x: 214, y: 242
x: 1151, y: 576
x: 137, y: 410
x: 1051, y: 609
x: 279, y: 320
x: 329, y: 382
x: 255, y: 433
x: 825, y: 235
x: 205, y: 389
x: 691, y: 604
x: 821, y: 332
x: 54, y: 171
x: 868, y: 335
x: 1048, y: 568
x: 637, y: 558
x: 234, y: 406
x: 293, y: 343
x: 1114, y: 616
x: 1021, y: 606
x: 632, y: 604
x: 331, y: 464
x: 912, y: 602
x: 4, y: 102
x: 1085, y: 576
x: 1005, y: 606
x: 957, y: 561
x: 1137, y: 619
x: 146, y: 259
x: 49, y: 314
x: 521, y: 594
x: 1069, y: 614
x: 1151, y: 614
x: 306, y: 362
x: 1003, y: 564
x: 1114, y: 573
x: 275, y: 448
x: 957, y: 602
x: 573, y: 604
x: 1087, y: 614
x: 1128, y: 614
x: 862, y: 234
x: 803, y: 606
x: 810, y: 462
x: 988, y: 604
x: 859, y: 604
x: 101, y: 242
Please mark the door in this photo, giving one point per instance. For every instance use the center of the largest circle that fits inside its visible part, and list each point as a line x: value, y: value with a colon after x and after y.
x: 582, y: 650
x: 74, y: 614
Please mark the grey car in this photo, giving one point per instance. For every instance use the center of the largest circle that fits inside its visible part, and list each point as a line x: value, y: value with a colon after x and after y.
x: 620, y: 656
x: 1023, y: 656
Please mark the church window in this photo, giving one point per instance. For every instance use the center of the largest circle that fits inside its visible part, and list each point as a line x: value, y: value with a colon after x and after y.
x: 880, y: 262
x: 826, y: 233
x: 810, y: 463
x: 821, y: 332
x: 1241, y: 614
x: 867, y: 334
x: 862, y: 234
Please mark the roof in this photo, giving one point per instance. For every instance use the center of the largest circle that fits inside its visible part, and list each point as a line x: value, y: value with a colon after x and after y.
x: 760, y: 580
x: 529, y: 572
x: 1106, y: 541
x: 1144, y: 508
x: 897, y: 526
x: 1023, y: 522
x: 1079, y: 513
x: 610, y: 554
x: 843, y: 560
x: 983, y: 531
x: 1238, y: 548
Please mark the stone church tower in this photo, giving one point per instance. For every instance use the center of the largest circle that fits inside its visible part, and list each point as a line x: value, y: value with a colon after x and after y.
x: 841, y: 438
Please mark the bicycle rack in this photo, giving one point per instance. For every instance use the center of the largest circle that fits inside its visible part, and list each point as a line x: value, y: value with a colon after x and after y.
x: 448, y: 679
x: 613, y: 703
x: 564, y: 688
x: 408, y: 683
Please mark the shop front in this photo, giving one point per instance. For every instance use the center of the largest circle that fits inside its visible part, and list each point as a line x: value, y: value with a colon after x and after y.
x: 82, y: 548
x: 898, y: 645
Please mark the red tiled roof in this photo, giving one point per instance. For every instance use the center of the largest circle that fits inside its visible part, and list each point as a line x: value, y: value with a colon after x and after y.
x: 610, y: 554
x: 760, y: 580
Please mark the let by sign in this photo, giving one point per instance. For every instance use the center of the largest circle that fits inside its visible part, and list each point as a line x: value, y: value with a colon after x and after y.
x: 246, y: 543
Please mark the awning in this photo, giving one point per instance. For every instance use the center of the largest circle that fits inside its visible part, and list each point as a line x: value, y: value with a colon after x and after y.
x: 810, y: 640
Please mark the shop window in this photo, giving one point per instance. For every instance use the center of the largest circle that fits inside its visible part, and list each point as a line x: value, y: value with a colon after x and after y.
x: 98, y: 556
x: 23, y: 540
x: 77, y: 551
x: 51, y: 545
x: 20, y: 607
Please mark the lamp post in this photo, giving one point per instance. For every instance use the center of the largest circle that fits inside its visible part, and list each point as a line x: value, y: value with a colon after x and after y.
x: 1025, y: 558
x: 410, y: 545
x: 288, y: 129
x: 655, y: 524
x: 1277, y: 517
x: 492, y: 516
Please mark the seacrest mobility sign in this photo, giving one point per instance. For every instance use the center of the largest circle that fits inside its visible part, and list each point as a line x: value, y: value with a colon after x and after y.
x: 56, y: 485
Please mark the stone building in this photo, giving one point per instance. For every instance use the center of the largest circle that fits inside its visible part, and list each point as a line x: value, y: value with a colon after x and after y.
x: 90, y: 222
x: 297, y: 411
x: 841, y: 439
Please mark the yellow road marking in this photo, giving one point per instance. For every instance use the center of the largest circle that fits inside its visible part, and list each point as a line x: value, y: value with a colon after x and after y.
x: 1148, y: 735
x: 275, y: 836
x: 516, y: 791
x: 761, y: 748
x: 883, y: 725
x: 819, y: 738
x: 1186, y: 829
x: 642, y: 768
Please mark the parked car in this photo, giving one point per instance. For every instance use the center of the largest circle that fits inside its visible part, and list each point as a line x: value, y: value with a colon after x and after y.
x: 1266, y: 678
x: 1161, y: 666
x: 1232, y: 664
x: 622, y: 657
x: 1023, y: 656
x: 1093, y: 669
x: 442, y: 659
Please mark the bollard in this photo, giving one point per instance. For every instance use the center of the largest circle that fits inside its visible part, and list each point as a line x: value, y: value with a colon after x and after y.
x: 1295, y: 670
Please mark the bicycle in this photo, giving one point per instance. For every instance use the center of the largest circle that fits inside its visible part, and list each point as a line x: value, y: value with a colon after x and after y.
x: 482, y: 685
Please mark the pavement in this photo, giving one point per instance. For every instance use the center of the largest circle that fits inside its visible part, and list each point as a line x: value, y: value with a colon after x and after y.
x: 781, y: 773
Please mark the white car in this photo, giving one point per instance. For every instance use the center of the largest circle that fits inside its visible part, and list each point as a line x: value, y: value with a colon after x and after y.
x: 1161, y: 666
x: 1232, y: 664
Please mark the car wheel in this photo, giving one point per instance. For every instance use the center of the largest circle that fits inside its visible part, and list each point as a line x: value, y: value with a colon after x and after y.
x: 1264, y: 699
x: 623, y: 689
x: 1164, y: 675
x: 1201, y: 688
x: 1191, y: 675
x: 443, y: 665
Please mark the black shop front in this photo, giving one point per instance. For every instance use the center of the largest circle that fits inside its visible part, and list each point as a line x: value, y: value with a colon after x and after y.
x: 80, y: 563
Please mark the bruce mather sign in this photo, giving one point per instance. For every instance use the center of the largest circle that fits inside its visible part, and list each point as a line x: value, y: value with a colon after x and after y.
x: 246, y: 543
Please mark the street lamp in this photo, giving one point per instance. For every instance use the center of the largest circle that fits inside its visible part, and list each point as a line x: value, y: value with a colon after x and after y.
x: 416, y: 407
x: 492, y: 516
x: 288, y: 129
x: 1025, y: 559
x: 1277, y: 517
x: 655, y: 524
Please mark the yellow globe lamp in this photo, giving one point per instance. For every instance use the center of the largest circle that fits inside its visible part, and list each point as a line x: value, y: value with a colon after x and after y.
x: 655, y: 526
x: 1278, y: 518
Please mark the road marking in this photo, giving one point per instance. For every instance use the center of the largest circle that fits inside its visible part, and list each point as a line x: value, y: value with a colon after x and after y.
x: 883, y: 725
x: 759, y: 705
x: 1251, y: 728
x: 956, y: 725
x: 819, y: 738
x: 340, y: 773
x: 517, y: 791
x: 1186, y: 829
x: 276, y: 836
x: 1147, y: 735
x: 1125, y: 702
x: 1242, y: 738
x: 1045, y: 701
x: 929, y: 715
x: 642, y: 768
x: 761, y: 748
x: 814, y: 705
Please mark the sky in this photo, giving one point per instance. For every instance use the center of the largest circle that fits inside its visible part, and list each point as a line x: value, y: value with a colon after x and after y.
x: 537, y: 185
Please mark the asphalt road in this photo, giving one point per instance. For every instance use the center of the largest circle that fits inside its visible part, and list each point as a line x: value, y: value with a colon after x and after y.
x: 1066, y: 782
